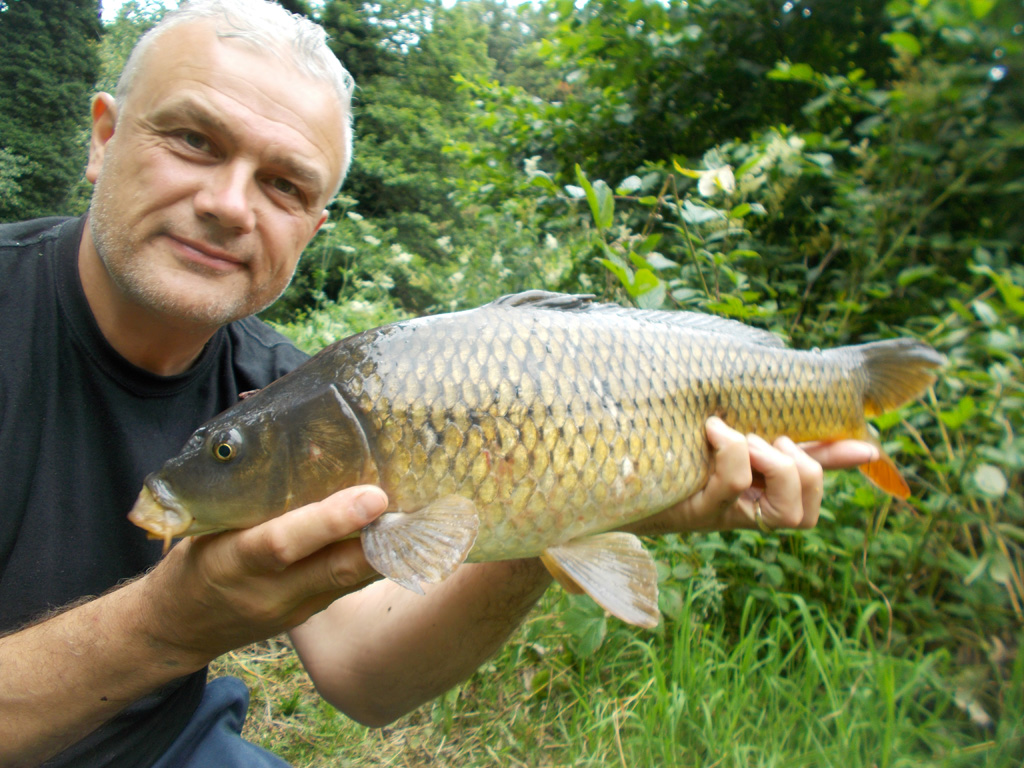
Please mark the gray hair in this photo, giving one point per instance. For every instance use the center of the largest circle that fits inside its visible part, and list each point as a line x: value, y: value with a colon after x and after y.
x: 268, y: 28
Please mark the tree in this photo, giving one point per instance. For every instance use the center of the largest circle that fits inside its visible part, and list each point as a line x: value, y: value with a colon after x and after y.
x: 356, y: 39
x: 49, y: 65
x: 409, y: 112
x: 645, y: 80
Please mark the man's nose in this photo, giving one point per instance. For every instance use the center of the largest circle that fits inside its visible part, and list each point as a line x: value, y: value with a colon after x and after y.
x: 226, y: 196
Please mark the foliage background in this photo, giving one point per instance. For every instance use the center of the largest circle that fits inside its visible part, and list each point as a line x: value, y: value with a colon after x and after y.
x: 875, y: 150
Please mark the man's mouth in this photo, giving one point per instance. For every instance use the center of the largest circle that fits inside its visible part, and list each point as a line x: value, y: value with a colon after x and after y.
x: 205, y: 255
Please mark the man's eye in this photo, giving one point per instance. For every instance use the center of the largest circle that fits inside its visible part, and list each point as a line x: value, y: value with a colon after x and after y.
x: 285, y: 186
x: 196, y: 140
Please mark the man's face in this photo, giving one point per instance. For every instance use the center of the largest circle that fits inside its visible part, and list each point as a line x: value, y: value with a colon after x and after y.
x: 213, y: 177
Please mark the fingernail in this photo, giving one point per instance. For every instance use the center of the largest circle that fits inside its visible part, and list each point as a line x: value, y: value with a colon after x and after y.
x: 370, y: 504
x: 717, y: 430
x: 785, y: 444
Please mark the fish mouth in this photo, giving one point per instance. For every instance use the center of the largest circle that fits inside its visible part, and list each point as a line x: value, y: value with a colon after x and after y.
x: 158, y: 513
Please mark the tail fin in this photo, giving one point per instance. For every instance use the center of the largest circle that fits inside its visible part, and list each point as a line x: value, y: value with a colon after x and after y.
x: 898, y: 370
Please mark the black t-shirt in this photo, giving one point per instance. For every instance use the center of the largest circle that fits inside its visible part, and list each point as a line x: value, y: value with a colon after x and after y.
x: 80, y: 428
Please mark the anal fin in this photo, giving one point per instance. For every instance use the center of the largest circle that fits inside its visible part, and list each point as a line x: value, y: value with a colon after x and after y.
x: 427, y: 545
x: 614, y: 569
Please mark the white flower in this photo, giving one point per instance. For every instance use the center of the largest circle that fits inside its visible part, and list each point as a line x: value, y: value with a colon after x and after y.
x: 456, y: 277
x: 400, y: 256
x: 716, y: 179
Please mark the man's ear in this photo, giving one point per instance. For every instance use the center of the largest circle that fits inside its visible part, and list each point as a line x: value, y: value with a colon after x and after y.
x: 323, y: 218
x: 104, y: 119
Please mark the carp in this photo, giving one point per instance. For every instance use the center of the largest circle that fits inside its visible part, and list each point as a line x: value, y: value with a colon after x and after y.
x: 532, y: 426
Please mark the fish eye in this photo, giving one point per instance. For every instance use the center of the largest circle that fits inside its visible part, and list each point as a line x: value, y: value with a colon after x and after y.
x: 224, y: 451
x: 225, y: 446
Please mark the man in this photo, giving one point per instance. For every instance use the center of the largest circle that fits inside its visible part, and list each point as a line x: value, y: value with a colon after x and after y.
x: 123, y: 332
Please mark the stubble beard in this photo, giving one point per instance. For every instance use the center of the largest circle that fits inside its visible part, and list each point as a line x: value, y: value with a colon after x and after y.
x: 142, y: 284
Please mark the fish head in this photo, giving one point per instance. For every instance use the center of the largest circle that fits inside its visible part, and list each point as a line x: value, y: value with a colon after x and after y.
x: 272, y: 452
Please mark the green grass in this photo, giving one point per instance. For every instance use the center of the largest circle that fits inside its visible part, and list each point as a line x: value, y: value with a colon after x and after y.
x: 782, y: 684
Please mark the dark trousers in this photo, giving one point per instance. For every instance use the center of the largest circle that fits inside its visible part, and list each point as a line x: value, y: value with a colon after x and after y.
x: 212, y: 738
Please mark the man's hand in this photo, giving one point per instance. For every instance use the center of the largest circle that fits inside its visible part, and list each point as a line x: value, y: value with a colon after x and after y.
x: 215, y: 593
x: 785, y: 479
x: 62, y: 678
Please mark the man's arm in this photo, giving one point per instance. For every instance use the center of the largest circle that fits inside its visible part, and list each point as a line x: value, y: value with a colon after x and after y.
x: 62, y: 678
x: 380, y: 653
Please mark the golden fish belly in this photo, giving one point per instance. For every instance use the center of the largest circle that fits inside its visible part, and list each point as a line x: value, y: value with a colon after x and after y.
x: 563, y: 424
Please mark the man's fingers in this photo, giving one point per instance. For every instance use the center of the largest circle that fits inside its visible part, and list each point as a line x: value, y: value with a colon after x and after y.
x: 841, y: 454
x: 782, y: 500
x: 296, y: 535
x: 731, y: 473
x: 810, y: 481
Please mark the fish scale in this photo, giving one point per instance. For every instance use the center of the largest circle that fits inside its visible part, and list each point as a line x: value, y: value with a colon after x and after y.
x: 529, y: 426
x: 582, y: 472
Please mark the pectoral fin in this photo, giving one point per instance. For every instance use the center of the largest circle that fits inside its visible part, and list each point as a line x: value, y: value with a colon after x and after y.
x: 422, y: 546
x: 614, y: 569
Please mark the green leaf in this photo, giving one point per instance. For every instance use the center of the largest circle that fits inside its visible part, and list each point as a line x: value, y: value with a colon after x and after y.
x: 621, y: 271
x: 958, y: 416
x: 786, y: 71
x: 913, y: 274
x: 657, y: 261
x: 541, y: 180
x: 976, y: 572
x: 981, y: 8
x: 652, y: 297
x: 985, y: 313
x: 648, y: 244
x: 670, y: 601
x: 1012, y: 293
x: 698, y: 214
x: 587, y: 624
x: 605, y: 204
x: 599, y: 196
x: 644, y: 281
x: 903, y: 41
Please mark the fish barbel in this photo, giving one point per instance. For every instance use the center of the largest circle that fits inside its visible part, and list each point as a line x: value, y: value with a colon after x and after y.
x: 533, y: 425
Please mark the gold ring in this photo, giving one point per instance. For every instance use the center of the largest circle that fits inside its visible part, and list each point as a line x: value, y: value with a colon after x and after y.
x: 762, y: 526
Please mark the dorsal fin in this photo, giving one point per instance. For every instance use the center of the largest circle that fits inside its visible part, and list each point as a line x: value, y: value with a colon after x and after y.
x: 585, y: 302
x: 546, y: 300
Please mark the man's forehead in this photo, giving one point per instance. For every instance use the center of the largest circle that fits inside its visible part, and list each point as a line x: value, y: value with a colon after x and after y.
x: 191, y: 59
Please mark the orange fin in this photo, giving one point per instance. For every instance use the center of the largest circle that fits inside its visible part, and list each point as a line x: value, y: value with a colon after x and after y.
x: 884, y: 473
